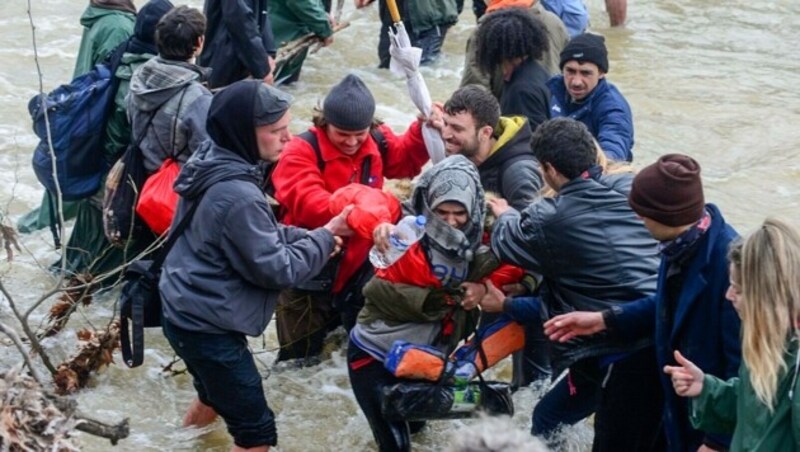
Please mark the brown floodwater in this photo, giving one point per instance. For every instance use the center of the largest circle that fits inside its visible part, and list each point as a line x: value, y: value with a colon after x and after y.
x: 714, y: 79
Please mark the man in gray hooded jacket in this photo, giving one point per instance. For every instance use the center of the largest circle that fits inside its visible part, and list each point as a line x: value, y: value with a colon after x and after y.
x: 167, y: 103
x: 220, y: 281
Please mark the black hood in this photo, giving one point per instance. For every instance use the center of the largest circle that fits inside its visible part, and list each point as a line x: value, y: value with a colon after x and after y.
x: 515, y: 135
x: 144, y: 32
x: 231, y: 119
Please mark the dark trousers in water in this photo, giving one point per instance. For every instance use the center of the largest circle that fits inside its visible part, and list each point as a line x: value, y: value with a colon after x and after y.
x: 302, y: 320
x: 304, y: 317
x: 430, y: 40
x: 625, y: 397
x: 226, y: 379
x: 368, y: 376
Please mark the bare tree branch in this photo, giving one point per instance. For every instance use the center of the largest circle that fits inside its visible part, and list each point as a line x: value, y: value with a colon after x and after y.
x: 21, y: 347
x: 37, y: 346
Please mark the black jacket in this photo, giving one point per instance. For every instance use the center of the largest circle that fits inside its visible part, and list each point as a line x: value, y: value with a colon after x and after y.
x: 592, y: 251
x: 511, y: 170
x: 526, y: 94
x: 238, y: 40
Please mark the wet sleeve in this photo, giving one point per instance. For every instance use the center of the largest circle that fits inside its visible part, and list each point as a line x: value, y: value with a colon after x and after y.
x: 714, y: 410
x: 517, y: 238
x: 633, y: 320
x: 615, y: 130
x: 312, y: 15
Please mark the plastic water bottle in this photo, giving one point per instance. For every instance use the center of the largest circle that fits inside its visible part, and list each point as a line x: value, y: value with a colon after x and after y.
x: 406, y: 232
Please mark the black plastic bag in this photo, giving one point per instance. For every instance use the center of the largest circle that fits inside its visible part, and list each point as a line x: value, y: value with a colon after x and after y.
x: 140, y: 307
x: 123, y: 185
x: 421, y: 401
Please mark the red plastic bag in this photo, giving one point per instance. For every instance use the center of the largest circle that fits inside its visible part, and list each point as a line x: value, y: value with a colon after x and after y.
x: 158, y: 199
x: 371, y: 207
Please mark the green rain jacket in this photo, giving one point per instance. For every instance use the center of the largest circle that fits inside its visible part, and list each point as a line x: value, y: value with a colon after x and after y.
x: 731, y: 406
x: 104, y: 30
x: 427, y: 14
x: 292, y: 19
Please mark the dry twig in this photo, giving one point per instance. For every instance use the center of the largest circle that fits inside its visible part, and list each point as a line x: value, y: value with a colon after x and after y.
x: 78, y: 290
x: 96, y: 350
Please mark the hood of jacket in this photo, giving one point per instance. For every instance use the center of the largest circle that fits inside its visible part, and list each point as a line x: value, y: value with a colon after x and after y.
x: 94, y: 13
x: 119, y: 5
x: 158, y: 80
x: 513, y: 139
x: 144, y: 31
x: 231, y: 120
x: 210, y: 164
x: 451, y: 179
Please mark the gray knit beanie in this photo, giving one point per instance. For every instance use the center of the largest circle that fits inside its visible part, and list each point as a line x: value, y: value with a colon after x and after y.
x: 349, y: 105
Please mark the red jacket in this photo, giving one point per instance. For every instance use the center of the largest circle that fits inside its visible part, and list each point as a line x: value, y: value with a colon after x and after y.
x: 305, y: 192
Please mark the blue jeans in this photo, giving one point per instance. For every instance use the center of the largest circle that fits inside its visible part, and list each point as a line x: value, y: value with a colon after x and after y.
x: 227, y: 380
x: 572, y: 399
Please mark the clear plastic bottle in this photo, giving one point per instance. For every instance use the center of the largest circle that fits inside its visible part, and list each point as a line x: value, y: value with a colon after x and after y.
x: 406, y: 232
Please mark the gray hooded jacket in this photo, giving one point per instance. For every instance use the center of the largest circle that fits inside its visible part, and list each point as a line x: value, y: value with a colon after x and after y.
x: 224, y: 272
x: 170, y: 92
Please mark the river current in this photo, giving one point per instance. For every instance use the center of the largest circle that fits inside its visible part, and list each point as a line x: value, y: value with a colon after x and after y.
x: 716, y: 79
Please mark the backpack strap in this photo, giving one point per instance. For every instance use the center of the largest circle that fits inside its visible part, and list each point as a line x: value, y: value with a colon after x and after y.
x: 113, y: 60
x: 380, y: 140
x: 174, y: 133
x: 311, y: 138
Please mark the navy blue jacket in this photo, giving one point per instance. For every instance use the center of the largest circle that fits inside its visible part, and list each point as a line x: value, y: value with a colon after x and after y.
x: 705, y: 327
x: 604, y: 111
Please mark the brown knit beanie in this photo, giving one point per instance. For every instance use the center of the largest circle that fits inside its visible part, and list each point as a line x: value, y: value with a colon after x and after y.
x: 669, y: 191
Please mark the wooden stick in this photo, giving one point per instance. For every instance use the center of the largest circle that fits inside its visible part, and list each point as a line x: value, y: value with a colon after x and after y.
x: 287, y: 51
x: 393, y: 11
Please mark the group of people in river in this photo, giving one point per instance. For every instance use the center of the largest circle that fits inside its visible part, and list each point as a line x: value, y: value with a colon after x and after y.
x: 633, y: 297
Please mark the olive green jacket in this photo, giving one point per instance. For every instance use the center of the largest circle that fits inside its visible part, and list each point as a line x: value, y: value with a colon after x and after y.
x: 397, y: 303
x: 427, y: 14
